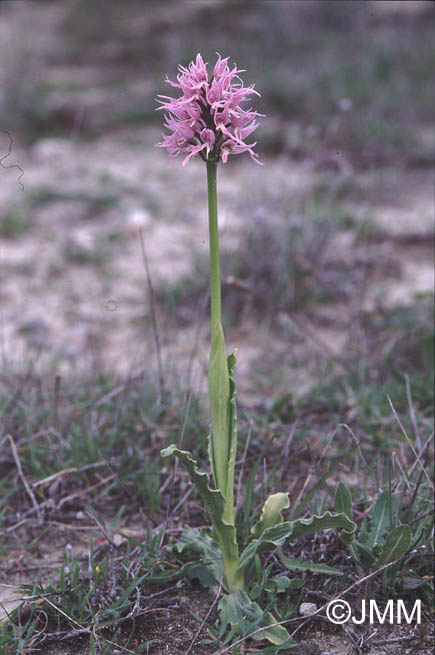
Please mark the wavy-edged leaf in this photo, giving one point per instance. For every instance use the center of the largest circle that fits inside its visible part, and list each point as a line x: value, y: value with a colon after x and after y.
x: 277, y: 535
x: 238, y: 610
x: 396, y: 545
x: 304, y: 527
x: 271, y: 513
x: 215, y: 505
x: 298, y: 564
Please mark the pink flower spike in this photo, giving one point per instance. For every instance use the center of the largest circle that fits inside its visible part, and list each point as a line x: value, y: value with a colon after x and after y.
x: 207, y: 115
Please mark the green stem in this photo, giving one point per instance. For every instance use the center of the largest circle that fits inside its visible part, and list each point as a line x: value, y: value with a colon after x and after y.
x: 222, y: 439
x: 218, y: 376
x: 215, y: 274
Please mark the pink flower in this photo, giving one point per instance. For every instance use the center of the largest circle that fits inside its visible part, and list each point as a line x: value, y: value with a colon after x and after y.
x: 207, y: 118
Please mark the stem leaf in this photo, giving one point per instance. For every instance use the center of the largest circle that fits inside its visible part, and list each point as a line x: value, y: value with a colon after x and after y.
x: 222, y: 445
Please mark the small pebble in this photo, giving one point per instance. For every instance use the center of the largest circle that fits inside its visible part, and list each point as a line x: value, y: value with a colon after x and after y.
x: 345, y: 104
x: 307, y: 609
x: 118, y: 539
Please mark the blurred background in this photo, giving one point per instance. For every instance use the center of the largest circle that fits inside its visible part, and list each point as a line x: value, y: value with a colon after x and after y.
x: 327, y: 269
x: 327, y: 247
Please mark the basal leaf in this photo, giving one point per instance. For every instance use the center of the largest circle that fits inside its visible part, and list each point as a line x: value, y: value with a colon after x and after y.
x: 274, y: 536
x: 273, y: 650
x: 197, y: 540
x: 277, y: 535
x: 205, y: 572
x: 298, y: 564
x: 283, y: 583
x: 364, y: 556
x: 343, y: 500
x: 239, y: 610
x: 343, y: 505
x: 380, y: 520
x: 396, y: 545
x: 210, y: 570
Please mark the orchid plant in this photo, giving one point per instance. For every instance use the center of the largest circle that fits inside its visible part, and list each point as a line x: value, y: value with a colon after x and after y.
x: 207, y: 119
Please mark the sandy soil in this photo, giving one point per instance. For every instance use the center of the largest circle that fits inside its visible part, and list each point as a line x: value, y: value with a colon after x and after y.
x: 71, y: 295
